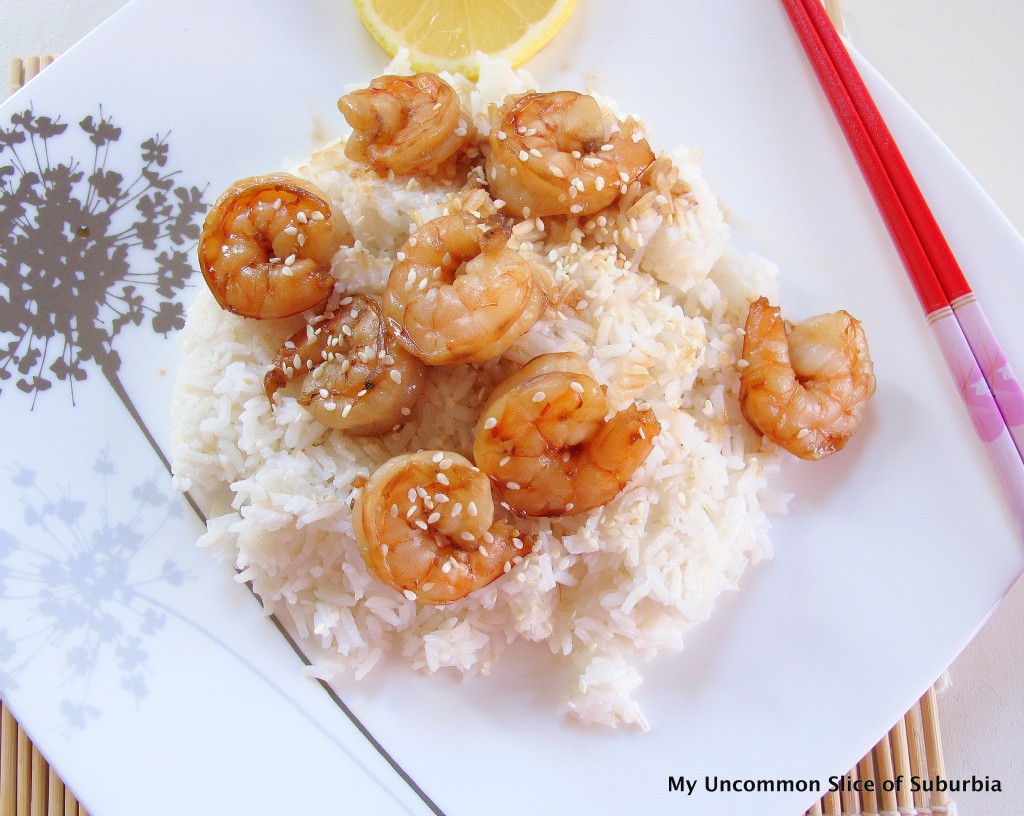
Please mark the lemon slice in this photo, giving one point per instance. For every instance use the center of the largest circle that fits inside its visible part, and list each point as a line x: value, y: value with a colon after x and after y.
x: 443, y: 35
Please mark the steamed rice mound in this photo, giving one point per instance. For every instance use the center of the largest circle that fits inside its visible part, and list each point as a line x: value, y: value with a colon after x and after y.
x: 648, y: 292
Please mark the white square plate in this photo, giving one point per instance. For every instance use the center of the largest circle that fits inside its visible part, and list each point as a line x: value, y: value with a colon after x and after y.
x: 151, y: 680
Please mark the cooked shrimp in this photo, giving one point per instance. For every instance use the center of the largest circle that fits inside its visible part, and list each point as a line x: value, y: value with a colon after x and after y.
x: 425, y: 525
x: 355, y: 377
x: 552, y: 155
x: 808, y: 393
x: 407, y: 124
x: 458, y: 294
x: 545, y: 443
x: 267, y: 244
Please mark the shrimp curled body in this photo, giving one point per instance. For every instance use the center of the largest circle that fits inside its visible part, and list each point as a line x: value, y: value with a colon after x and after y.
x: 545, y: 443
x: 425, y: 526
x: 267, y: 244
x: 410, y: 125
x: 460, y: 294
x: 552, y: 155
x: 808, y: 392
x: 355, y: 377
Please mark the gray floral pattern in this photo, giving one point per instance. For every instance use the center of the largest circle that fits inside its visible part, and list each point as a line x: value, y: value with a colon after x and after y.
x: 80, y: 585
x: 92, y: 244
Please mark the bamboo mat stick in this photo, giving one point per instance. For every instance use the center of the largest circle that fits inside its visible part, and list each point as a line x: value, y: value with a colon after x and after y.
x: 54, y: 793
x: 866, y: 772
x: 933, y: 746
x: 8, y: 762
x: 24, y: 793
x: 37, y: 794
x: 884, y: 763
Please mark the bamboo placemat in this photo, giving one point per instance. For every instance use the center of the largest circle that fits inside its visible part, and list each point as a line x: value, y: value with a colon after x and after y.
x: 30, y: 787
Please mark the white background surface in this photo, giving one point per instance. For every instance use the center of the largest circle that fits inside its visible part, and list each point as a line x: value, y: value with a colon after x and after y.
x: 960, y: 66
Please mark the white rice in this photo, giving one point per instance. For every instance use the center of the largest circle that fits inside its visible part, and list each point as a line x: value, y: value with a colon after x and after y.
x: 605, y: 590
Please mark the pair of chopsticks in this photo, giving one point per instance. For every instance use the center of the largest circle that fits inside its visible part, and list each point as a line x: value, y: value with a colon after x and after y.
x: 989, y: 390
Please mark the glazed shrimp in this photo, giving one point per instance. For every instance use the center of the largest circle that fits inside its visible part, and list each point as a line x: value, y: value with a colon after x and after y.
x: 407, y: 124
x: 425, y: 525
x: 544, y: 441
x: 267, y: 244
x: 806, y: 393
x: 355, y: 377
x: 552, y: 155
x: 458, y: 294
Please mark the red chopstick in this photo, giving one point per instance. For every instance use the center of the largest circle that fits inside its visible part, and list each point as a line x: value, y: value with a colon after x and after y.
x: 992, y: 395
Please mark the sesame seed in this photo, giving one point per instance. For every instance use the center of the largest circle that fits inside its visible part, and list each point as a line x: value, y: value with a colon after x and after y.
x: 482, y: 550
x: 330, y: 406
x: 499, y: 203
x: 434, y: 518
x: 292, y: 230
x: 802, y: 433
x: 502, y: 135
x: 441, y: 498
x: 437, y: 457
x: 524, y: 156
x: 517, y: 543
x: 577, y: 387
x: 456, y: 509
x: 446, y: 567
x: 538, y: 397
x: 556, y: 171
x: 512, y: 485
x: 607, y: 147
x: 599, y: 183
x: 301, y: 240
x: 443, y: 479
x: 471, y: 508
x: 576, y: 208
x: 535, y: 153
x: 394, y: 511
x: 489, y: 536
x: 421, y: 524
x: 569, y: 506
x: 411, y: 511
x: 421, y: 491
x: 490, y: 422
x: 301, y: 217
x: 526, y: 212
x: 504, y: 461
x: 409, y: 594
x: 507, y: 567
x: 444, y: 464
x: 396, y: 376
x: 345, y: 411
x: 467, y: 536
x: 406, y: 411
